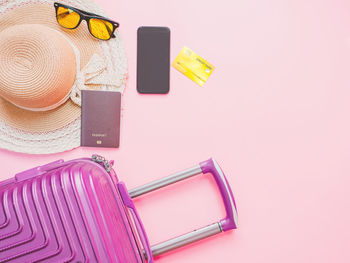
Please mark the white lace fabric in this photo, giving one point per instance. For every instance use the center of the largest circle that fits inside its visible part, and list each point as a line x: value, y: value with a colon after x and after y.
x: 108, y: 71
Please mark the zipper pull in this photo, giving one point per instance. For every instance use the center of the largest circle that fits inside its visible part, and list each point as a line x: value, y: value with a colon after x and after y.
x: 103, y: 162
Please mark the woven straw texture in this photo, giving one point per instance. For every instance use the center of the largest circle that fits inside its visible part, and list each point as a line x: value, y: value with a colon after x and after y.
x: 31, y: 75
x: 57, y: 130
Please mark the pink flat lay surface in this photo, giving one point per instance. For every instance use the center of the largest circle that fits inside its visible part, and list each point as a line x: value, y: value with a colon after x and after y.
x: 275, y: 115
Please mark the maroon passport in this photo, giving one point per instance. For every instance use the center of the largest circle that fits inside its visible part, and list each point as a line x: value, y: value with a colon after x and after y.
x: 100, y: 118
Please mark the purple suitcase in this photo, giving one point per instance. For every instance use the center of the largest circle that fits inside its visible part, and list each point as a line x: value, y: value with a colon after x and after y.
x: 78, y: 211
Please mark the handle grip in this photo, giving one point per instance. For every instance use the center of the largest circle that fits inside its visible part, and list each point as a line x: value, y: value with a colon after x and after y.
x: 228, y: 223
x: 211, y: 166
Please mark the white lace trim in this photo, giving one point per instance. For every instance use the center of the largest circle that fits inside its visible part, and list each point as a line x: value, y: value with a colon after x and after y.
x: 60, y: 140
x: 68, y: 137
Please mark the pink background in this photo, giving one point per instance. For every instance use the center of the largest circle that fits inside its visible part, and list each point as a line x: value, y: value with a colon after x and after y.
x: 275, y: 114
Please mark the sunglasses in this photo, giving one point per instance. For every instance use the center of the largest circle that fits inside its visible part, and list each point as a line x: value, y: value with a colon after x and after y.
x: 71, y: 17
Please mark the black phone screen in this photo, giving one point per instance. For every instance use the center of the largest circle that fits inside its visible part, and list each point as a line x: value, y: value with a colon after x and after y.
x: 153, y: 60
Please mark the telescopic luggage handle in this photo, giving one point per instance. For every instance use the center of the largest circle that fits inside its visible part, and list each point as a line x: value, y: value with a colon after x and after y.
x: 226, y: 224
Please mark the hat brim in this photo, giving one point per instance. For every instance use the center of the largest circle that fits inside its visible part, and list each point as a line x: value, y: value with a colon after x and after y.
x: 40, y: 13
x: 68, y: 113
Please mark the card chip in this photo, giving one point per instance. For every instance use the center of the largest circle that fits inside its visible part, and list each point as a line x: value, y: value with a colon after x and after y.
x: 193, y: 66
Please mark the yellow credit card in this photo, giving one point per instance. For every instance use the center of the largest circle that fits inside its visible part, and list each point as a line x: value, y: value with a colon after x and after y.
x: 193, y: 66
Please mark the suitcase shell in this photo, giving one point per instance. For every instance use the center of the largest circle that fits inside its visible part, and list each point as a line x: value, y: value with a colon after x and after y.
x: 75, y: 211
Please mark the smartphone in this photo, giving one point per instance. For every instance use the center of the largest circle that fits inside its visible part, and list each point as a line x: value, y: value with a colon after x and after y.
x: 153, y: 60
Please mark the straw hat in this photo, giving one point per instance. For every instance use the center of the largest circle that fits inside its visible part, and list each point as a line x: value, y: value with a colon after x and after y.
x: 43, y: 68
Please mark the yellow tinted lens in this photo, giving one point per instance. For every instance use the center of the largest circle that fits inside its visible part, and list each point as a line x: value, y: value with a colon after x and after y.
x: 67, y: 17
x: 100, y: 28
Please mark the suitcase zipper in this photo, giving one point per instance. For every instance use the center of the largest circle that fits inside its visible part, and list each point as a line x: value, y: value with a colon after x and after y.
x: 107, y: 165
x: 39, y: 170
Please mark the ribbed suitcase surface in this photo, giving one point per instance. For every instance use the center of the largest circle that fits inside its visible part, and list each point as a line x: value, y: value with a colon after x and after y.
x: 65, y: 212
x: 78, y: 211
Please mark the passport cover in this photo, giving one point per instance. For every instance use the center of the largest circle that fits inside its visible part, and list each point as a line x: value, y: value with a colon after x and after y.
x: 100, y: 118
